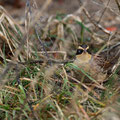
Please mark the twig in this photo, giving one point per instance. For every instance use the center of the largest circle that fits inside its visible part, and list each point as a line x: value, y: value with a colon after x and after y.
x: 107, y: 44
x: 51, y: 52
x: 112, y: 47
x: 103, y: 12
x: 27, y: 23
x: 118, y: 4
x: 97, y: 25
x: 40, y: 41
x: 46, y: 61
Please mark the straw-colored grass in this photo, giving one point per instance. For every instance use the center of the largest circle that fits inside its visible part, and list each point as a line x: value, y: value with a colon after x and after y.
x: 38, y: 79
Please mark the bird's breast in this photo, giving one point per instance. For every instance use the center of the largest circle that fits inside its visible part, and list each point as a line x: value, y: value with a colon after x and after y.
x: 88, y: 64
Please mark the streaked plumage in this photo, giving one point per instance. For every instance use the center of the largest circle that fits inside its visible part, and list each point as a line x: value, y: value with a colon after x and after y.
x: 98, y: 66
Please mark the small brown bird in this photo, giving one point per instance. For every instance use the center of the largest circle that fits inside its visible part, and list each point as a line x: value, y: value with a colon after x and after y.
x: 98, y: 66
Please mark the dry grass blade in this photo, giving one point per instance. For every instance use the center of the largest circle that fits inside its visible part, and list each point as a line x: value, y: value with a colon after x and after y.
x: 118, y: 4
x: 27, y: 25
x: 84, y: 112
x: 9, y: 34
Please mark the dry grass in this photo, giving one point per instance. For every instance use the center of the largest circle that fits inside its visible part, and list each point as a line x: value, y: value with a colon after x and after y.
x: 37, y: 77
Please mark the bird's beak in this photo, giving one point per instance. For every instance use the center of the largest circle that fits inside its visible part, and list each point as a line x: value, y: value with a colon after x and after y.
x: 85, y: 51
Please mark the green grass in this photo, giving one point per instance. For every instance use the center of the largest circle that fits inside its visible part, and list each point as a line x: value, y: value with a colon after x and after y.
x: 47, y: 102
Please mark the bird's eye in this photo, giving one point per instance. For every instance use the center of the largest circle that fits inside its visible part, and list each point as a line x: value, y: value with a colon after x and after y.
x: 79, y: 51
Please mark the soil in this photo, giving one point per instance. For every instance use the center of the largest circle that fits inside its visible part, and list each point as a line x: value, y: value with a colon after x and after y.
x: 96, y: 8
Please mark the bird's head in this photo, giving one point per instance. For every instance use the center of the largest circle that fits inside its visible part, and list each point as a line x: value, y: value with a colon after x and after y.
x: 82, y: 54
x: 82, y: 49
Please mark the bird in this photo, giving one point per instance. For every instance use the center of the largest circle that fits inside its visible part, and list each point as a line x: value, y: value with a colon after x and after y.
x: 98, y: 66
